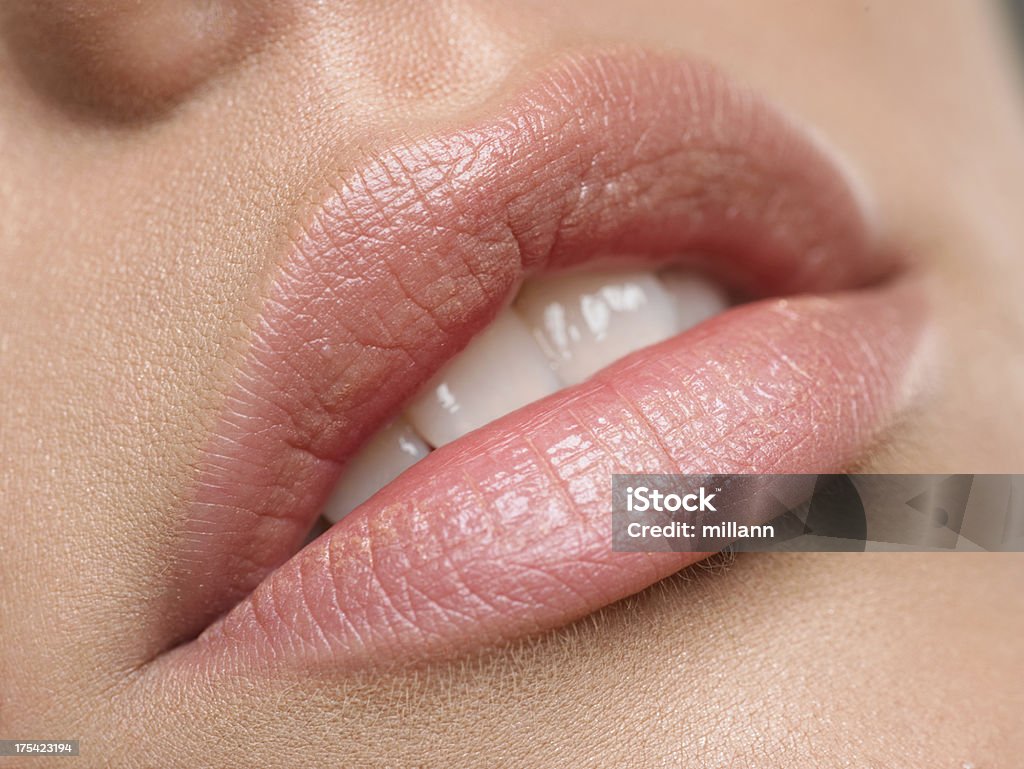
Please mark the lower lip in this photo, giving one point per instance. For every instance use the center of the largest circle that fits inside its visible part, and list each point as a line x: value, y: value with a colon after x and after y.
x: 507, y: 531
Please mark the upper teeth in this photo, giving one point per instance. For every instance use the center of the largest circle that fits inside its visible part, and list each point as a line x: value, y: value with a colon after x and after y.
x: 585, y: 321
x: 393, y: 449
x: 560, y: 330
x: 482, y: 383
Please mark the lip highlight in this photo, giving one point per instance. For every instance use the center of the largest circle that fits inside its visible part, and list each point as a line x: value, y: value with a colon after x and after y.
x: 506, y: 531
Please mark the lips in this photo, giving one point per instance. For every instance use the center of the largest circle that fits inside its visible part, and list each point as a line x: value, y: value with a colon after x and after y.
x: 506, y: 531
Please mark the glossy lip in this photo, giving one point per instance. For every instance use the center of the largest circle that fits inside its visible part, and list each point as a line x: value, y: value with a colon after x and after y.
x: 506, y: 531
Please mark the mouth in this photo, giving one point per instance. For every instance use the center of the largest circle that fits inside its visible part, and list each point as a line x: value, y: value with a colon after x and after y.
x: 473, y: 330
x: 559, y: 331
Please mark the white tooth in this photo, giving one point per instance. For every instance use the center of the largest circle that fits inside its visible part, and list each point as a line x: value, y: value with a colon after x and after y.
x: 385, y: 456
x: 584, y: 321
x: 695, y: 297
x: 500, y: 370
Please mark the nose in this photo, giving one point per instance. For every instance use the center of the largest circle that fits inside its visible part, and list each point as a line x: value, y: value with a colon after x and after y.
x: 121, y: 59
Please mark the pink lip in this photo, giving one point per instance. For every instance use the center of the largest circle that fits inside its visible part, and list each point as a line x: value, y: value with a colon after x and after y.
x: 507, y: 531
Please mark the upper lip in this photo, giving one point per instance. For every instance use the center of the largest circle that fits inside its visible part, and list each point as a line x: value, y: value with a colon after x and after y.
x: 413, y: 251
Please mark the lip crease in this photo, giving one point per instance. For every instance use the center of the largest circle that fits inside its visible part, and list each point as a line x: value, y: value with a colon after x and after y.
x: 506, y: 532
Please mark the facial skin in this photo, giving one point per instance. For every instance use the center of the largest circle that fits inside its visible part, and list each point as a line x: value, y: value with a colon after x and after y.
x: 152, y: 164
